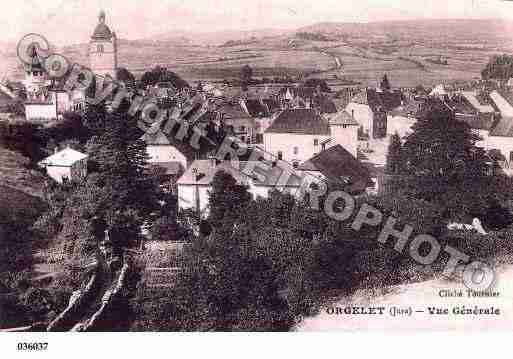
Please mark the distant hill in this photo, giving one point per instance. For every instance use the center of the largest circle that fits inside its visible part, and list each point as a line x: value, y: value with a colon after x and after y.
x: 428, y: 29
x: 220, y: 37
x: 467, y: 44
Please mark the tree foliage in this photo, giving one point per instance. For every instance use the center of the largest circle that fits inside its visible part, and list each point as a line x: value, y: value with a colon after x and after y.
x: 321, y: 84
x: 227, y: 199
x: 126, y: 77
x: 161, y: 74
x: 246, y: 74
x: 395, y: 161
x: 385, y: 84
x: 444, y: 166
x: 499, y: 67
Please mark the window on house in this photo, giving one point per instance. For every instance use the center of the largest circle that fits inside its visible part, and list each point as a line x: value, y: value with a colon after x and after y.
x: 295, y: 164
x: 511, y: 156
x: 242, y: 128
x: 99, y: 48
x: 296, y: 150
x: 280, y: 155
x: 243, y: 138
x: 316, y: 142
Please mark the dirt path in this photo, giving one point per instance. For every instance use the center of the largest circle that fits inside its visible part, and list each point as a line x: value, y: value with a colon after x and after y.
x: 419, y: 297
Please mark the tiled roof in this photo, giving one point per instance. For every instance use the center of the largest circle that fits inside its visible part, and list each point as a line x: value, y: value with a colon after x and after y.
x: 504, y: 101
x: 325, y: 104
x: 503, y: 127
x: 376, y: 100
x: 481, y: 121
x: 300, y: 121
x: 171, y: 168
x: 232, y: 111
x: 256, y: 108
x: 473, y: 100
x: 64, y: 158
x: 301, y: 91
x: 202, y: 172
x: 155, y: 138
x: 272, y: 105
x: 343, y: 118
x: 339, y: 166
x: 410, y: 108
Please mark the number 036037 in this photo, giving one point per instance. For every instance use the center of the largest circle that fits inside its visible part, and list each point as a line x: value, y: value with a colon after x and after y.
x: 32, y: 346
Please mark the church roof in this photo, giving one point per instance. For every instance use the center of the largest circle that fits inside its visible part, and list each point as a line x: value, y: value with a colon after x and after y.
x: 102, y: 31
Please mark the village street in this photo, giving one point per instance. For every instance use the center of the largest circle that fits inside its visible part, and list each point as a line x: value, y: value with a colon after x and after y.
x: 420, y: 296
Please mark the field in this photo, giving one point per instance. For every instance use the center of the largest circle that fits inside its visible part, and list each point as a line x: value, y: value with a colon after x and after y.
x: 360, y: 52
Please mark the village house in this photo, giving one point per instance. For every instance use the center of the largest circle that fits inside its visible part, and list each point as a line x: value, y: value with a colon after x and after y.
x: 334, y: 165
x: 196, y: 183
x: 299, y: 134
x: 162, y: 153
x: 338, y: 166
x: 469, y: 108
x: 370, y: 107
x: 238, y: 122
x: 439, y: 91
x: 496, y: 128
x: 503, y: 101
x: 402, y: 119
x: 304, y: 97
x: 66, y: 164
x: 263, y: 112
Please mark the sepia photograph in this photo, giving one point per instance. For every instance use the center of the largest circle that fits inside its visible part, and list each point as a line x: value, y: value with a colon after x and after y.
x: 263, y: 166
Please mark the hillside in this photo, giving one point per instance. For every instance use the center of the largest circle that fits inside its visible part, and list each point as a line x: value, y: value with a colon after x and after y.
x: 336, y: 51
x: 16, y: 177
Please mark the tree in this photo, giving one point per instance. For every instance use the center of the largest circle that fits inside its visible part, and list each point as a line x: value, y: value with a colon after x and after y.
x: 385, y: 84
x: 322, y: 85
x: 499, y: 67
x: 443, y: 164
x: 246, y: 74
x: 130, y: 193
x: 161, y: 74
x: 126, y: 77
x: 394, y: 163
x: 227, y: 199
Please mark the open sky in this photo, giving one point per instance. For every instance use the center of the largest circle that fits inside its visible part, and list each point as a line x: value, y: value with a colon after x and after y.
x: 72, y: 21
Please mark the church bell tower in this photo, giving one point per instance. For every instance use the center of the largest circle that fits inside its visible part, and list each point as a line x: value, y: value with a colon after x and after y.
x: 103, y: 57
